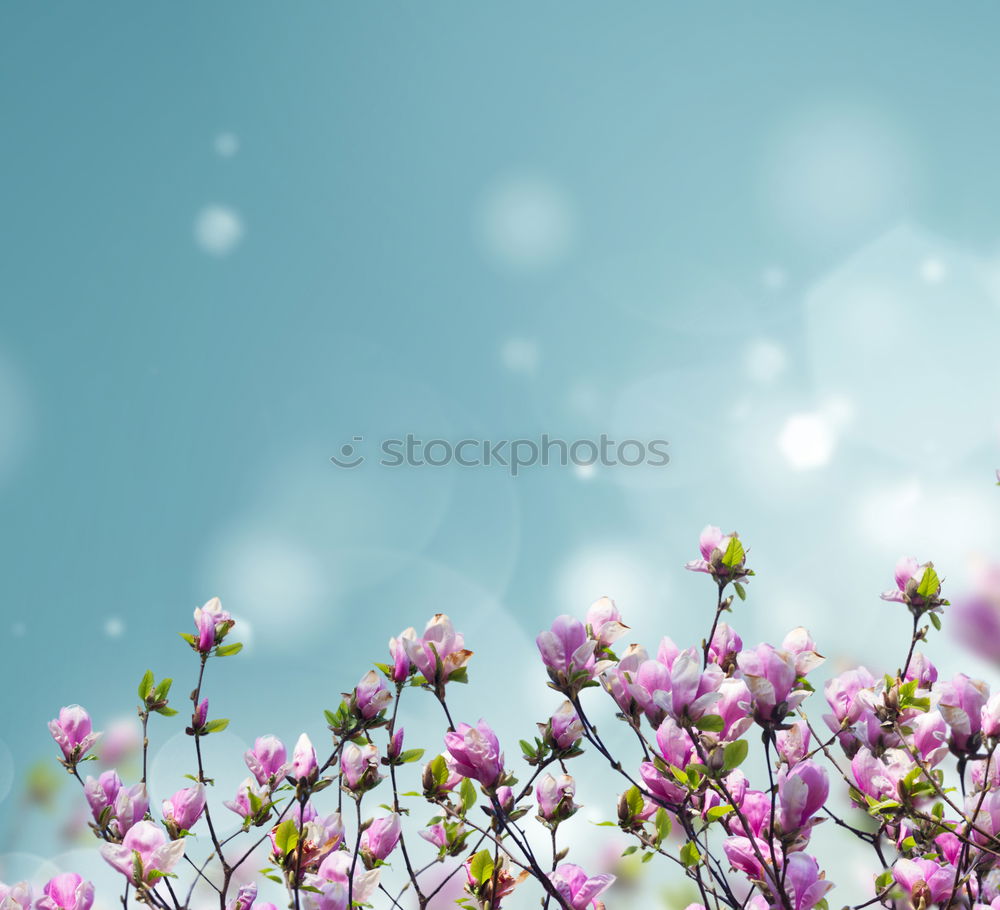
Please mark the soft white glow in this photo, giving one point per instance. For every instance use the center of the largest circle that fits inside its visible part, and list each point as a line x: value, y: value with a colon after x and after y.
x: 806, y: 441
x: 114, y: 627
x: 520, y: 355
x: 527, y: 223
x: 218, y: 230
x: 226, y: 145
x: 765, y: 360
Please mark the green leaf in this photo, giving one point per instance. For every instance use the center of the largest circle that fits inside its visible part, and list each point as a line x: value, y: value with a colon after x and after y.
x: 741, y: 592
x: 229, y: 650
x: 286, y: 836
x: 217, y: 725
x: 166, y: 711
x: 481, y: 867
x: 734, y: 555
x: 408, y: 755
x: 145, y: 685
x: 662, y: 823
x: 163, y: 689
x: 189, y: 638
x: 690, y: 855
x: 710, y: 723
x: 468, y: 794
x: 936, y: 621
x: 734, y: 753
x: 461, y: 675
x: 930, y: 584
x: 634, y: 801
x: 716, y: 812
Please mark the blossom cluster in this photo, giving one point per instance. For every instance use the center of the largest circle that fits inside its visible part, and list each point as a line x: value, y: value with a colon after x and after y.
x: 894, y: 743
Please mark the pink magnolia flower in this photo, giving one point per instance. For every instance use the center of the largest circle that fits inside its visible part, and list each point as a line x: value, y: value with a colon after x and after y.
x: 67, y: 891
x: 714, y: 546
x: 247, y: 797
x: 212, y: 623
x: 267, y: 760
x: 16, y: 897
x: 395, y: 747
x: 692, y: 692
x: 145, y: 849
x: 977, y: 615
x: 576, y: 888
x: 304, y: 763
x: 371, y: 696
x: 803, y: 881
x: 802, y: 791
x: 909, y: 577
x: 793, y: 743
x: 745, y: 855
x: 245, y: 898
x: 183, y: 809
x: 675, y: 745
x: 200, y: 716
x: 359, y: 766
x: 130, y: 807
x: 439, y: 652
x: 72, y: 732
x: 724, y: 646
x: 435, y: 834
x: 604, y: 621
x: 922, y: 670
x: 962, y: 701
x: 568, y: 654
x: 660, y: 787
x: 331, y: 883
x: 770, y: 675
x: 554, y: 797
x: 565, y: 726
x: 755, y: 807
x: 401, y: 664
x: 842, y: 696
x: 734, y: 706
x: 929, y: 737
x: 380, y: 838
x: 476, y: 753
x: 879, y: 778
x: 102, y: 792
x: 990, y: 717
x: 924, y: 881
x: 800, y: 643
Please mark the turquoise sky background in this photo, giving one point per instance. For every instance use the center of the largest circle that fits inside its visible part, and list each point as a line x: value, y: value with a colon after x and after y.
x: 237, y: 235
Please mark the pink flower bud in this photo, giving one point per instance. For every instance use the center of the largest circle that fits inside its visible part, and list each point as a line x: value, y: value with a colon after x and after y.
x: 802, y: 791
x: 554, y: 797
x: 200, y: 715
x: 990, y: 716
x: 910, y: 574
x: 72, y: 733
x: 568, y: 654
x: 248, y: 800
x: 305, y: 767
x: 395, y: 748
x: 724, y: 646
x: 566, y: 726
x: 267, y: 760
x: 102, y: 793
x: 435, y: 834
x: 67, y: 891
x: 924, y: 881
x: 505, y: 798
x: 605, y: 623
x: 439, y: 652
x: 793, y: 743
x: 245, y: 898
x: 212, y: 624
x: 371, y: 695
x: 131, y: 805
x: 380, y: 838
x: 401, y: 664
x: 144, y: 849
x: 16, y: 897
x: 770, y: 675
x: 576, y: 888
x: 184, y: 808
x: 804, y: 883
x: 359, y: 766
x: 961, y: 703
x: 714, y: 546
x: 476, y: 752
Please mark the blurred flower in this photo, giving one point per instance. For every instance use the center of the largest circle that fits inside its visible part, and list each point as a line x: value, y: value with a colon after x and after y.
x: 67, y: 891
